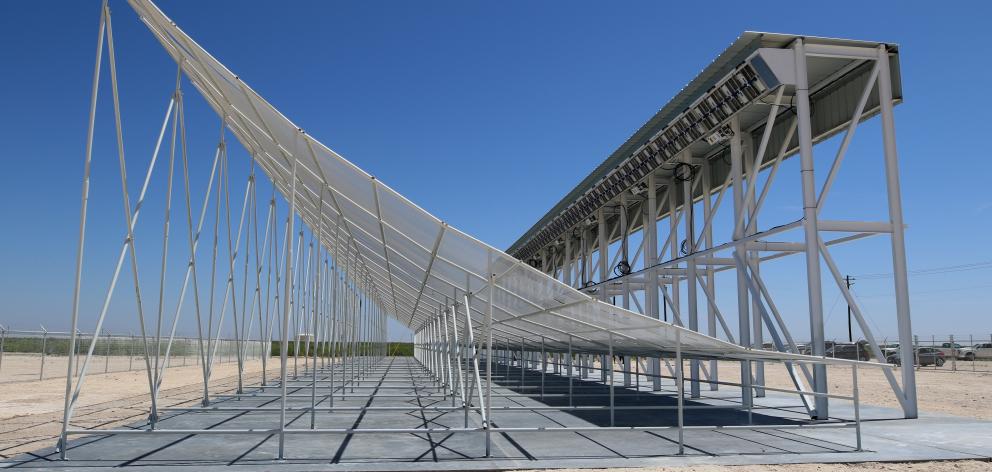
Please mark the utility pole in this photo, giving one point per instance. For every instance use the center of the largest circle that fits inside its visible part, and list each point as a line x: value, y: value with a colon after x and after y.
x: 850, y: 335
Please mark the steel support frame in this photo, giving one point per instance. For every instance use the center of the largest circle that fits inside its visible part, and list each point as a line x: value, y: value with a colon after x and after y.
x: 661, y: 198
x: 335, y: 302
x: 341, y: 305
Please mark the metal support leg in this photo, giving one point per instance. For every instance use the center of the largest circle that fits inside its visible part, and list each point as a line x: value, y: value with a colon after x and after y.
x: 810, y: 228
x: 744, y: 323
x: 680, y: 387
x: 610, y: 384
x: 898, y: 233
x: 287, y: 285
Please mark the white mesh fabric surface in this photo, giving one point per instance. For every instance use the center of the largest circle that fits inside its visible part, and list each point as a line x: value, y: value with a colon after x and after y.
x: 370, y: 226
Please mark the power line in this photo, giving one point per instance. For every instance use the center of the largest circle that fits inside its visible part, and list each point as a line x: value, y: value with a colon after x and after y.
x: 932, y: 271
x: 927, y: 292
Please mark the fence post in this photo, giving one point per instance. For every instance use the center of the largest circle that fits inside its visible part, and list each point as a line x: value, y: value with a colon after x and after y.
x: 44, y: 346
x: 916, y: 351
x: 79, y: 334
x: 857, y: 404
x: 106, y: 359
x: 954, y: 356
x: 933, y: 346
x: 3, y: 337
x: 130, y: 353
x: 971, y: 343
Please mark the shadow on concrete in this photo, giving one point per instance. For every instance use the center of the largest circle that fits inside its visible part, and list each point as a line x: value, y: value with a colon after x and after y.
x: 589, y: 392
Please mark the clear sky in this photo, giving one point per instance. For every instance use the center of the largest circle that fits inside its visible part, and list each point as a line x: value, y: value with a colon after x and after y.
x: 486, y: 114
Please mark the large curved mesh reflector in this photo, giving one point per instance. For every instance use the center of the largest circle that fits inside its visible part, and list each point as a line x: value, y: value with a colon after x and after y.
x: 415, y: 261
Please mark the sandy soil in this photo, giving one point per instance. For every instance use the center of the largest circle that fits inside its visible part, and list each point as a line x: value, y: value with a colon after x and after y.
x: 31, y: 412
x: 19, y: 367
x: 961, y: 393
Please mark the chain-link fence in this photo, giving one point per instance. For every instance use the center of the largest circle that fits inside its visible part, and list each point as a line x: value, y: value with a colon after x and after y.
x: 945, y: 353
x: 35, y: 355
x: 954, y: 353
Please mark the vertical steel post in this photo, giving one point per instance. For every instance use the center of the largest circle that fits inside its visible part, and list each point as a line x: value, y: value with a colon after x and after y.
x: 521, y: 362
x: 688, y: 214
x: 750, y: 256
x: 457, y: 354
x: 544, y: 366
x: 680, y: 381
x: 489, y: 356
x: 673, y: 247
x: 894, y: 194
x: 570, y: 399
x: 810, y: 228
x: 334, y: 304
x: 751, y: 168
x: 475, y: 360
x: 610, y: 384
x: 603, y: 243
x: 624, y: 286
x: 650, y: 236
x: 287, y: 286
x: 710, y: 279
x: 566, y: 271
x: 442, y: 313
x: 316, y: 310
x: 743, y: 314
x: 857, y: 404
x: 74, y: 323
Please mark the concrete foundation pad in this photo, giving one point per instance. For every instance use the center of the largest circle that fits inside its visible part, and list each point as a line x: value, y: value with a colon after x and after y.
x: 886, y: 437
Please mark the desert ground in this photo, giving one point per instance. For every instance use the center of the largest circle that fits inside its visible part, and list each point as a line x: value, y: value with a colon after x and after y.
x: 30, y: 410
x: 962, y: 393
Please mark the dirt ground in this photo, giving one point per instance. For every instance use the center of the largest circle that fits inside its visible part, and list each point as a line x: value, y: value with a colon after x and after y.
x: 961, y: 393
x: 31, y: 412
x: 20, y: 367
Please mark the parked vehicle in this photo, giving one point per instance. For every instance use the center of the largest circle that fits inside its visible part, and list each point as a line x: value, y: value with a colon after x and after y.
x: 978, y: 351
x: 952, y: 350
x: 855, y: 351
x: 924, y: 356
x: 889, y: 348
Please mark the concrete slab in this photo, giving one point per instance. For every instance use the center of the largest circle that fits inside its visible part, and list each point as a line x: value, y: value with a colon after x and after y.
x: 400, y: 382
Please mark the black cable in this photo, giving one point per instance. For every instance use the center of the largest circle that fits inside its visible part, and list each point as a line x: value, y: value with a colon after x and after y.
x: 622, y: 269
x: 684, y: 172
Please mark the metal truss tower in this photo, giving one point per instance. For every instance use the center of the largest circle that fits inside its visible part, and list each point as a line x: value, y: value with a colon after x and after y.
x: 766, y: 98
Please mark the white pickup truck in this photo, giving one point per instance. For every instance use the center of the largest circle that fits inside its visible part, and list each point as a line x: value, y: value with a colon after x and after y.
x: 978, y: 351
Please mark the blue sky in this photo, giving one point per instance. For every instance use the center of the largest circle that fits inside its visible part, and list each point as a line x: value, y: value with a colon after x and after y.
x: 486, y: 114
